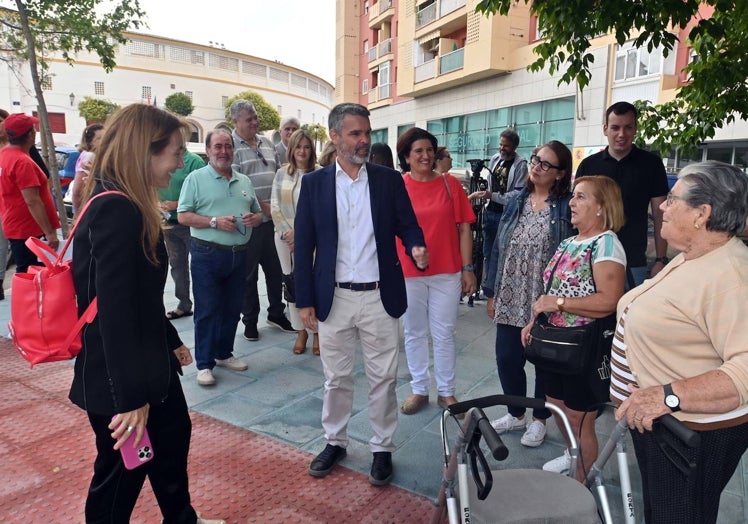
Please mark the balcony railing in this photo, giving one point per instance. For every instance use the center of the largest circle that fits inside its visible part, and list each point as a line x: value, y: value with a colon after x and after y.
x: 425, y: 71
x: 373, y: 95
x: 372, y: 53
x: 385, y: 47
x: 426, y: 16
x: 379, y: 8
x: 447, y: 6
x: 452, y: 61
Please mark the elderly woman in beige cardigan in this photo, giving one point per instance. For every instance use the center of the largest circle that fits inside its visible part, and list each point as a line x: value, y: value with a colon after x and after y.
x: 285, y: 194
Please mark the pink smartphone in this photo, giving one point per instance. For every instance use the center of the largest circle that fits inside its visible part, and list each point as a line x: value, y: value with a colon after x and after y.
x: 134, y: 457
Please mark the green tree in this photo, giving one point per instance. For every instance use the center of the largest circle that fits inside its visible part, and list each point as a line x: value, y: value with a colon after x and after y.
x: 717, y: 93
x: 42, y: 28
x: 96, y: 109
x: 318, y: 132
x: 268, y: 116
x: 180, y: 104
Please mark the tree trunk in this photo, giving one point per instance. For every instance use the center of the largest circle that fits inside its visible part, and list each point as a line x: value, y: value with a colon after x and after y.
x: 48, y: 141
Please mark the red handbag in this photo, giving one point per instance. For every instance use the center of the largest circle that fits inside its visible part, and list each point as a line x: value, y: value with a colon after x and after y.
x: 44, y: 323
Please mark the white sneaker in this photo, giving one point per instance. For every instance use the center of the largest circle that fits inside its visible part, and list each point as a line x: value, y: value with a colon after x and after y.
x: 205, y: 377
x: 535, y: 434
x: 560, y: 464
x: 508, y: 423
x: 232, y: 363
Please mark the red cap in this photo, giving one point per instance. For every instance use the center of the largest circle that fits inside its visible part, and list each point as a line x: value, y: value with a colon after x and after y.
x: 19, y: 124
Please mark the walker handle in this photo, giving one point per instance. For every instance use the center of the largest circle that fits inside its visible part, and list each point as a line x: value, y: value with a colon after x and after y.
x: 496, y: 400
x: 493, y: 441
x: 689, y: 437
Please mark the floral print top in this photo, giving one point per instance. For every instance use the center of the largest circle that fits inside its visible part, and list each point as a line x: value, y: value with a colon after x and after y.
x: 573, y: 275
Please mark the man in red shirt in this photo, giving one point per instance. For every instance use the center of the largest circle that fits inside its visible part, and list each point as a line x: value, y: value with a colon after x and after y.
x: 26, y: 203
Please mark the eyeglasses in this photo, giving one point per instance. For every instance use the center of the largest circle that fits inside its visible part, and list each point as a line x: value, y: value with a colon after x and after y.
x: 670, y: 197
x: 240, y: 227
x: 544, y: 166
x: 259, y: 155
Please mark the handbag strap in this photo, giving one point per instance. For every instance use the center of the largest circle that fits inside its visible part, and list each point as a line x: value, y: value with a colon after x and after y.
x: 446, y: 183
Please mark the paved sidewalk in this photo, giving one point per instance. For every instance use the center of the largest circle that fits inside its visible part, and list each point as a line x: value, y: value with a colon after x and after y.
x: 269, y: 416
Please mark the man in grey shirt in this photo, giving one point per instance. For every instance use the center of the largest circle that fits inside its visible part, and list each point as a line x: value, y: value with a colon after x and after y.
x: 256, y: 157
x: 288, y: 125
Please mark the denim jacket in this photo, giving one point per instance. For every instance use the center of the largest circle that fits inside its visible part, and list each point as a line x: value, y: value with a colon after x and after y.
x: 561, y: 228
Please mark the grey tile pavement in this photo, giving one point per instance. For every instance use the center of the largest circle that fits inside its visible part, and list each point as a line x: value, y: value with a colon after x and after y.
x: 280, y: 396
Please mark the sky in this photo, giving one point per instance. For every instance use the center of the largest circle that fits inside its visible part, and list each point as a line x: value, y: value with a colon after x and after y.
x: 298, y: 33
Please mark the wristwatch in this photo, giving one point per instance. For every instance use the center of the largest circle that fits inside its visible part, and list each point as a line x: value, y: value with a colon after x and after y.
x: 214, y: 222
x: 664, y: 260
x: 468, y: 267
x: 560, y: 301
x: 671, y: 399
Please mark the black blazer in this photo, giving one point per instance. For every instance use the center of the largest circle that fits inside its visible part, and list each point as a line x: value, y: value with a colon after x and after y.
x: 127, y: 358
x: 316, y: 237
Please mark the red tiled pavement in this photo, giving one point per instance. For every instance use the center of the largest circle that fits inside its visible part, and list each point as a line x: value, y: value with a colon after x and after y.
x: 47, y: 452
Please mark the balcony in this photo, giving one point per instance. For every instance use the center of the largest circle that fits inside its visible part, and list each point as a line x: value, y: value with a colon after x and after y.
x: 385, y: 47
x: 426, y: 15
x: 425, y: 71
x: 452, y: 61
x: 447, y: 6
x: 378, y: 13
x: 384, y: 91
x: 373, y: 95
x: 372, y: 53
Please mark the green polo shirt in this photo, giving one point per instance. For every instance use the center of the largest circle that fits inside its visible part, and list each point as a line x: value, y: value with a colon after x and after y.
x: 191, y: 163
x: 208, y: 193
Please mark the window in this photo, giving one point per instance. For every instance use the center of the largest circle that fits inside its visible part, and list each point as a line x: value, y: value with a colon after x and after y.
x: 365, y: 86
x: 145, y: 93
x: 637, y: 62
x: 99, y: 88
x: 189, y: 95
x: 366, y: 7
x: 47, y: 83
x: 298, y: 114
x: 224, y: 101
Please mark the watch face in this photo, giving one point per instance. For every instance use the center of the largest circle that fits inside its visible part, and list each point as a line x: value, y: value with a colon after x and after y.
x: 672, y: 401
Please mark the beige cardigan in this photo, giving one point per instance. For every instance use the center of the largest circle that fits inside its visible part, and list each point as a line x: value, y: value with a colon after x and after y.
x: 689, y: 319
x: 283, y: 199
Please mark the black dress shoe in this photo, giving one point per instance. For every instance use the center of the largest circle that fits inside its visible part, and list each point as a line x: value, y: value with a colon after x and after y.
x: 281, y: 323
x: 325, y: 461
x: 381, y: 468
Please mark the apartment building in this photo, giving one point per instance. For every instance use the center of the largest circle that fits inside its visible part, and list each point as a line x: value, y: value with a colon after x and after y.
x: 440, y: 65
x: 149, y: 69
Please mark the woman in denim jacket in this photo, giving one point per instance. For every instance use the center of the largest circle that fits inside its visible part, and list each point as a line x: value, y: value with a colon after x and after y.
x: 534, y: 222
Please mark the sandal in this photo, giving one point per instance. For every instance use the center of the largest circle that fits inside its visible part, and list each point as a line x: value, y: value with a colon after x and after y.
x: 177, y: 313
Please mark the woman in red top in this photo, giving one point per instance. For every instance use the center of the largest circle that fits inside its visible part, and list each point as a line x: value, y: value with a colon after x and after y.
x: 444, y: 213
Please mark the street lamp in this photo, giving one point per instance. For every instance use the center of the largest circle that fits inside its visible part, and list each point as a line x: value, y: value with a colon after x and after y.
x: 72, y: 99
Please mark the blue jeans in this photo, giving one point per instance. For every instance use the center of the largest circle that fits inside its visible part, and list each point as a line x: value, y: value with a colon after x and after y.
x: 218, y: 282
x: 639, y: 274
x: 510, y: 360
x: 490, y: 227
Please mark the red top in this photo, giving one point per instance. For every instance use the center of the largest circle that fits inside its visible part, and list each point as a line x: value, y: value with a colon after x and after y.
x: 437, y: 214
x: 18, y: 171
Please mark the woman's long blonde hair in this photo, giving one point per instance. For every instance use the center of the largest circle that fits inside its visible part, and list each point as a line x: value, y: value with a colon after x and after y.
x: 123, y: 161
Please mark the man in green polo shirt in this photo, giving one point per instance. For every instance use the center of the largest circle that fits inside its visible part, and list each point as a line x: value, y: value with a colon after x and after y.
x: 177, y: 236
x: 221, y: 208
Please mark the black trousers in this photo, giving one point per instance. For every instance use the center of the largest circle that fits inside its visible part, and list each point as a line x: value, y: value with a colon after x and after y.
x: 23, y: 256
x: 261, y: 251
x: 114, y: 490
x: 670, y: 495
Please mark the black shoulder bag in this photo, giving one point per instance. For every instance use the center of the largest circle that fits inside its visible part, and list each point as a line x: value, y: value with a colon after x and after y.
x: 571, y: 350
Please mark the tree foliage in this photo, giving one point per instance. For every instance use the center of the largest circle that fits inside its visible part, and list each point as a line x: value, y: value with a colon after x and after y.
x: 717, y: 92
x: 96, y: 109
x: 318, y: 132
x: 40, y: 29
x: 180, y: 104
x: 267, y: 114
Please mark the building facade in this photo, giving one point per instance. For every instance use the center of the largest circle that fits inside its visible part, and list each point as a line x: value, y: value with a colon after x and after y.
x: 439, y: 65
x: 149, y: 69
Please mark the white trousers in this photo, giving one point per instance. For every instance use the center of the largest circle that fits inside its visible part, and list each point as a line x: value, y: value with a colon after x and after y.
x: 432, y: 306
x: 359, y: 317
x: 286, y: 262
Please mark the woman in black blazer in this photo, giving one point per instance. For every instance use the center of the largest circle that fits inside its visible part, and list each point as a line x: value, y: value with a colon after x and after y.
x: 127, y: 374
